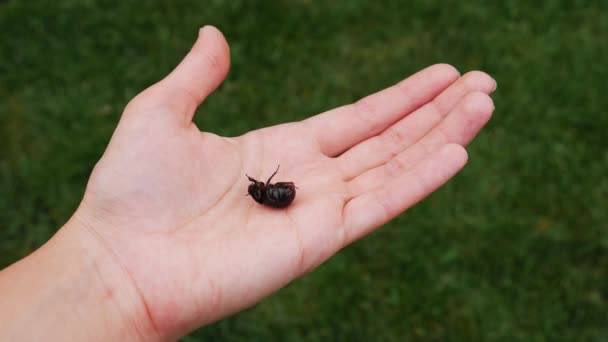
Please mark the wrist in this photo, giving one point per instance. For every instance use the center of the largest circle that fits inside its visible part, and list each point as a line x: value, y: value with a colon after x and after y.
x: 72, y: 288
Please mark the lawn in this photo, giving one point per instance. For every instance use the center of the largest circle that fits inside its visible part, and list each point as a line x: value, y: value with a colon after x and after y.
x: 515, y: 248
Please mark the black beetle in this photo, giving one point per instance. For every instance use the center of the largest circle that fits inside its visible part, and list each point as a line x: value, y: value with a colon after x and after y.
x: 278, y: 195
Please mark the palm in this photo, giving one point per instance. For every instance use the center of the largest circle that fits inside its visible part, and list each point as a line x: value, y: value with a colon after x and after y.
x: 321, y: 193
x: 197, y: 248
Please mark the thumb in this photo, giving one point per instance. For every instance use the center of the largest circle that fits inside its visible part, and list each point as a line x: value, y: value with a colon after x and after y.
x: 199, y: 73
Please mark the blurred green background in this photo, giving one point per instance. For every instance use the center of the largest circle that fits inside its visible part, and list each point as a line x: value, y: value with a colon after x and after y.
x: 515, y: 248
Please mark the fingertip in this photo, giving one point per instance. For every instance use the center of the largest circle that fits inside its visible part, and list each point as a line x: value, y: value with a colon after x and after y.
x: 478, y: 104
x: 447, y: 69
x: 441, y: 72
x: 457, y: 154
x: 213, y: 33
x: 202, y: 30
x: 480, y: 81
x: 208, y: 29
x: 219, y: 56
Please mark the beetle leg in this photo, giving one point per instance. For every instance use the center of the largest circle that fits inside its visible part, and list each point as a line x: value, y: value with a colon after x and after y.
x: 268, y: 182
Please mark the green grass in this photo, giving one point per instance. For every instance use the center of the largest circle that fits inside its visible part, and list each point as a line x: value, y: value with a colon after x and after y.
x: 515, y: 248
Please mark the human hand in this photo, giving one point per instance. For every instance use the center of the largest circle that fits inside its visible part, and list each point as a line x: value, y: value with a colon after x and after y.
x: 167, y: 202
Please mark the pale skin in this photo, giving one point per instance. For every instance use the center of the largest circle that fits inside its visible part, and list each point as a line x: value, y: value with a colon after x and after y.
x: 165, y: 240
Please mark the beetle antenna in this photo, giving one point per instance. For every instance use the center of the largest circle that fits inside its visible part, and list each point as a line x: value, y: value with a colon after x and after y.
x: 268, y: 182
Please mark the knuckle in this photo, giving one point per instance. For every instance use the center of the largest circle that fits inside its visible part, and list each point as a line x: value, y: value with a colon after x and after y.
x: 393, y: 137
x: 396, y: 166
x: 366, y: 113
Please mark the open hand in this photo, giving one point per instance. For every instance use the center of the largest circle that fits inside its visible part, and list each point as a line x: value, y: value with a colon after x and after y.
x: 167, y: 201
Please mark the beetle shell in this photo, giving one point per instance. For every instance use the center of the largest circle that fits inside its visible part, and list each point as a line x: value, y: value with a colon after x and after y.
x: 280, y: 195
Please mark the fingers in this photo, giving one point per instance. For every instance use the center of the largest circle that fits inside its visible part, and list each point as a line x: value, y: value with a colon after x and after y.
x: 459, y: 127
x: 198, y: 74
x: 382, y: 148
x: 368, y: 211
x: 339, y: 129
x: 462, y: 124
